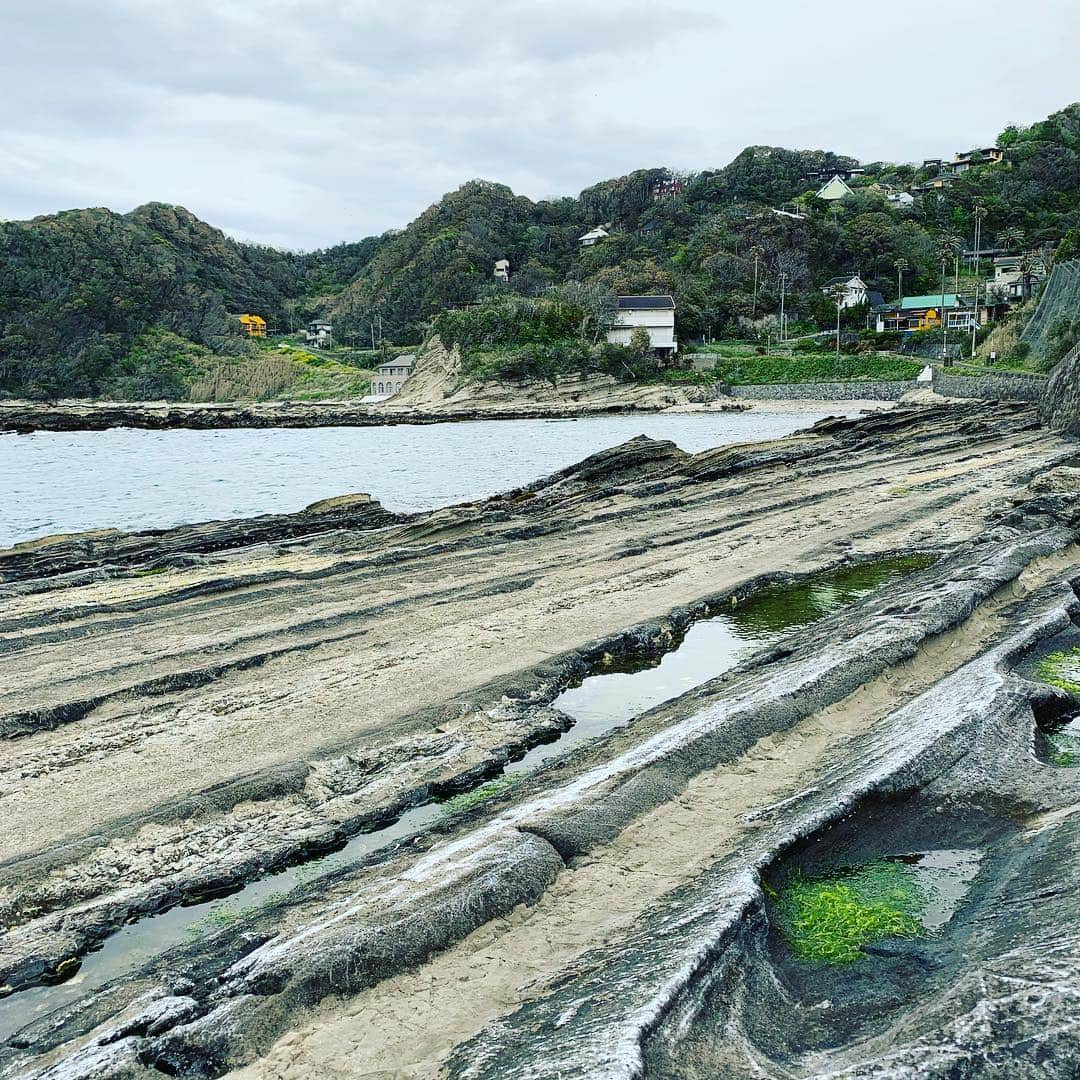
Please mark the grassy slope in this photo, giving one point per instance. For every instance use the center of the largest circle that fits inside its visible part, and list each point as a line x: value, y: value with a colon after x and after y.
x: 739, y: 364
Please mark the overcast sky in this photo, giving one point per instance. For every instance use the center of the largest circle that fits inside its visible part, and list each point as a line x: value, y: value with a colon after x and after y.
x: 302, y: 123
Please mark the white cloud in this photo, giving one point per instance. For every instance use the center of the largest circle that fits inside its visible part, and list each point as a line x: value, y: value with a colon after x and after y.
x: 307, y: 122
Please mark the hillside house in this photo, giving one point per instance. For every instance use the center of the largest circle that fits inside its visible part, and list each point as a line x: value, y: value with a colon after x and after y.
x: 924, y: 313
x: 254, y: 325
x: 990, y: 155
x: 320, y: 334
x: 854, y: 290
x: 390, y: 377
x: 818, y: 176
x: 900, y: 200
x: 937, y: 183
x: 836, y: 188
x: 1010, y: 281
x: 593, y: 236
x: 668, y: 188
x: 655, y: 313
x: 502, y: 269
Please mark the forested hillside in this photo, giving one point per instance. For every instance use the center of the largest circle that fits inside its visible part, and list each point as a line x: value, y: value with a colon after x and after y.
x: 81, y: 290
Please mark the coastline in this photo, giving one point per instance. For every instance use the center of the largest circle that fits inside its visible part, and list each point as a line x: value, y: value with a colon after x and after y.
x: 24, y: 418
x: 190, y: 711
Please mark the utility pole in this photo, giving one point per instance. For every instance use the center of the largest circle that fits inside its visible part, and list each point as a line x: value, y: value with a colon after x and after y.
x: 838, y: 297
x: 944, y: 315
x: 783, y: 283
x: 372, y: 336
x: 975, y: 319
x: 980, y: 213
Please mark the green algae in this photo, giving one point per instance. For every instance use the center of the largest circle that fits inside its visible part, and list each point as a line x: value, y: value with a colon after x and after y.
x: 1063, y: 745
x: 783, y: 606
x: 1061, y: 669
x: 830, y: 919
x: 468, y: 799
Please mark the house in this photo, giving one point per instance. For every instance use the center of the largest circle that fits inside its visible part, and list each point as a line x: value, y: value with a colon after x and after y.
x: 938, y: 183
x: 391, y: 376
x: 655, y: 313
x: 254, y: 325
x: 990, y: 155
x: 593, y: 236
x: 924, y: 313
x: 901, y: 200
x: 502, y: 269
x: 668, y: 188
x: 319, y: 334
x: 853, y: 288
x: 816, y: 176
x: 835, y: 189
x: 1014, y: 279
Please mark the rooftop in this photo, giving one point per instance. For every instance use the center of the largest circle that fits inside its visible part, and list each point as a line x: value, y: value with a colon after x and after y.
x: 647, y: 303
x: 910, y: 303
x: 407, y: 360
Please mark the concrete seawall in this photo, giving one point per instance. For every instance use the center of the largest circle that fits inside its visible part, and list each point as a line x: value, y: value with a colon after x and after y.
x: 998, y: 386
x: 992, y: 386
x: 869, y: 390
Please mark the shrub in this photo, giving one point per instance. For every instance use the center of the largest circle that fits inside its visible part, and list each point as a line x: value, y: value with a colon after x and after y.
x: 816, y: 367
x: 159, y: 364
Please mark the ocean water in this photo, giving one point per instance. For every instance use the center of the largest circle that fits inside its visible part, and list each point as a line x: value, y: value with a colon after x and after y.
x: 62, y: 482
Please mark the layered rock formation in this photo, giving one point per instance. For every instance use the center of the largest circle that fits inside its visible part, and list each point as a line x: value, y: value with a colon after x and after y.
x: 299, y: 684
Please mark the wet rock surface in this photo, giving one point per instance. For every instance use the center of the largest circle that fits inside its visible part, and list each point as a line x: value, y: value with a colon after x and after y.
x: 278, y: 695
x: 28, y: 417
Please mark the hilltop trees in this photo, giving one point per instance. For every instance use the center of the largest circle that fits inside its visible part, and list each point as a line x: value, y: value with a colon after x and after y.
x: 79, y: 289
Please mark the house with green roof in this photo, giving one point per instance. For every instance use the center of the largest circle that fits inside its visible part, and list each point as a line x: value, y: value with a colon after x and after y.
x: 925, y: 313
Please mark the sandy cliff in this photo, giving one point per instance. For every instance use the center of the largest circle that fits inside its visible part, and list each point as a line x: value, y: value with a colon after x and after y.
x: 437, y: 383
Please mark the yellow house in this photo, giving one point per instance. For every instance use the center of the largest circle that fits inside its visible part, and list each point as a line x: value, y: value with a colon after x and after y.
x: 254, y: 325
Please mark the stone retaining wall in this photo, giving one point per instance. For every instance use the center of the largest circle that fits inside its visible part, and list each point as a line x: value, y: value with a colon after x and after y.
x: 868, y: 390
x: 999, y: 386
x: 996, y: 386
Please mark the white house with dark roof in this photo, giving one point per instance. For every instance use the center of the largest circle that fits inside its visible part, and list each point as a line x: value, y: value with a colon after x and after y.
x: 656, y: 314
x: 852, y: 286
x: 320, y: 334
x: 391, y: 376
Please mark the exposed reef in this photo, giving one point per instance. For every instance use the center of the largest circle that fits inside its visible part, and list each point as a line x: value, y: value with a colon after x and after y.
x: 311, y: 770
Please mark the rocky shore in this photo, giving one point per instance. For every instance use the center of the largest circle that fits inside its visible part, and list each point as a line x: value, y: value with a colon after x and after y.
x: 24, y: 418
x: 334, y: 697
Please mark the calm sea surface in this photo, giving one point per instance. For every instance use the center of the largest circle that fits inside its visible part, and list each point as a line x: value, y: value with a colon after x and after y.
x: 127, y: 479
